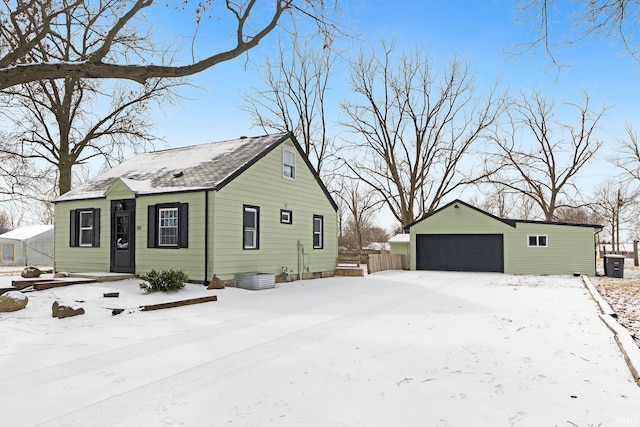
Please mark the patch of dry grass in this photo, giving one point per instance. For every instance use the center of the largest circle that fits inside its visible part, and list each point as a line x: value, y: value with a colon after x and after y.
x: 623, y: 295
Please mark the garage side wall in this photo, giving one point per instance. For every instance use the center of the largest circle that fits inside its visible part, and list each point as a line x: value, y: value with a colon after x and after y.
x: 569, y: 249
x: 461, y: 220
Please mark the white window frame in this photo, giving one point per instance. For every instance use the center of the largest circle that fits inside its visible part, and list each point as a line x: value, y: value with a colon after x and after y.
x: 288, y: 164
x: 253, y: 242
x: 286, y: 216
x: 13, y: 259
x: 537, y: 242
x: 168, y: 226
x: 82, y: 229
x: 318, y: 219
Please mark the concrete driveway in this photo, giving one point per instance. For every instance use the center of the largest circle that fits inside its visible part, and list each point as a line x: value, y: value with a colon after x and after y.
x: 393, y: 348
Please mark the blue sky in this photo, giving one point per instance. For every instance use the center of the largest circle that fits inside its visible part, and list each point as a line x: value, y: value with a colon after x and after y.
x: 480, y: 32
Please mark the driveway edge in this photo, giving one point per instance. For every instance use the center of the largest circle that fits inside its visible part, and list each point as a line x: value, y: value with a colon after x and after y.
x: 628, y: 347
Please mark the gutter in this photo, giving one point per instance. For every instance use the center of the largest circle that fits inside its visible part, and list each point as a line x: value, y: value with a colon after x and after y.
x: 206, y: 237
x: 595, y: 254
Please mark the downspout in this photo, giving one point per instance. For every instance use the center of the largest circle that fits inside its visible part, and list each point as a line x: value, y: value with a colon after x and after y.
x: 595, y: 258
x: 206, y: 237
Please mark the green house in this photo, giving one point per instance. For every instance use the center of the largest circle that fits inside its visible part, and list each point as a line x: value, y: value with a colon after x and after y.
x: 460, y: 237
x: 241, y: 206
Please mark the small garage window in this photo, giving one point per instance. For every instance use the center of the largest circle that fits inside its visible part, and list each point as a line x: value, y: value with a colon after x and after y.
x: 537, y: 240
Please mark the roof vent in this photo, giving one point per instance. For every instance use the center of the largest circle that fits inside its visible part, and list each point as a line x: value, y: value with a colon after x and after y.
x: 243, y: 137
x: 178, y: 174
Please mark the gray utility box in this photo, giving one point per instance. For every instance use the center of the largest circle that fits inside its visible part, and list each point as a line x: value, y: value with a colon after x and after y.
x: 254, y: 281
x: 614, y: 265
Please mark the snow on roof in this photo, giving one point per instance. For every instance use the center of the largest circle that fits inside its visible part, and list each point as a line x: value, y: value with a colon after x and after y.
x: 377, y: 246
x: 24, y: 233
x: 196, y: 167
x: 400, y: 238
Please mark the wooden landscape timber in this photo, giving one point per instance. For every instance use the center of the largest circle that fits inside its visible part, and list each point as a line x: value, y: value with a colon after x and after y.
x: 178, y: 303
x: 41, y: 284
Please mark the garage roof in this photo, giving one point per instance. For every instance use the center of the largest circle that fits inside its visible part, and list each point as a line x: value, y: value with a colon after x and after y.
x: 510, y: 222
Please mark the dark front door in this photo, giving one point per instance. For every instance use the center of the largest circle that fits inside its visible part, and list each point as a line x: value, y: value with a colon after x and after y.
x: 460, y: 252
x: 123, y: 236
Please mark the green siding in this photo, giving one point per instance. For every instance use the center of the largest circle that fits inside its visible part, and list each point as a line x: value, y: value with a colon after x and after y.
x: 399, y: 248
x: 119, y: 190
x: 263, y: 185
x: 569, y: 248
x: 83, y: 259
x: 190, y: 259
x: 80, y: 259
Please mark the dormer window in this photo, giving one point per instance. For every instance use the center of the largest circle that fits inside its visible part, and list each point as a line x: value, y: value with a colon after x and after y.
x: 288, y: 163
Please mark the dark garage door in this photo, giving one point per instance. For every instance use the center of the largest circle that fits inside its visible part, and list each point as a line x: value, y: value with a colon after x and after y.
x: 460, y: 252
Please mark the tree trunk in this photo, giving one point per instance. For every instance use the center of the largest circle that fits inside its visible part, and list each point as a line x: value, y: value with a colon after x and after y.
x: 64, y: 178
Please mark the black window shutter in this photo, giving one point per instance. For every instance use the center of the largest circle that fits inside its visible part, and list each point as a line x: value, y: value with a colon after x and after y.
x: 183, y: 218
x: 151, y: 226
x: 73, y: 228
x: 96, y: 228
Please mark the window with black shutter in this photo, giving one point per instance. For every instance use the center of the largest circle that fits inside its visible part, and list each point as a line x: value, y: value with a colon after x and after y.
x: 84, y: 228
x: 168, y: 225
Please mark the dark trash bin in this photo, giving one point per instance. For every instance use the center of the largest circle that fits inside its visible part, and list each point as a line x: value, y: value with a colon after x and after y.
x: 614, y: 265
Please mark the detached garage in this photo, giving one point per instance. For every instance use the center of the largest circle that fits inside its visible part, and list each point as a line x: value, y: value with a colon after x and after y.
x: 460, y: 237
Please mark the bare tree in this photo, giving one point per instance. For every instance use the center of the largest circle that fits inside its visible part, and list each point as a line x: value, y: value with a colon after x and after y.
x: 60, y: 124
x: 5, y: 222
x: 628, y: 157
x: 357, y: 240
x: 413, y: 128
x: 66, y: 122
x: 539, y: 156
x: 495, y: 200
x: 503, y: 203
x: 293, y: 95
x: 578, y: 215
x: 32, y: 23
x: 361, y: 204
x: 18, y: 178
x: 615, y: 205
x: 610, y: 19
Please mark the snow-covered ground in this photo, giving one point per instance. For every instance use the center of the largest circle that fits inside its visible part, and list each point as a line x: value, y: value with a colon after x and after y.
x: 390, y: 349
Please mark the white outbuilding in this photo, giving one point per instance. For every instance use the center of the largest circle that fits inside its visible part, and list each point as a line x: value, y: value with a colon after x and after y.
x: 31, y: 245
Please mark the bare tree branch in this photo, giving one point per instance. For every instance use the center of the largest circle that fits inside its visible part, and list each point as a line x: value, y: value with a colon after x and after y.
x: 293, y: 94
x: 41, y: 22
x: 60, y: 124
x: 535, y: 162
x: 616, y: 20
x: 414, y: 128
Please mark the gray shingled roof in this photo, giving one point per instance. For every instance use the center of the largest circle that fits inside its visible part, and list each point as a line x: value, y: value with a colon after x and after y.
x: 198, y: 167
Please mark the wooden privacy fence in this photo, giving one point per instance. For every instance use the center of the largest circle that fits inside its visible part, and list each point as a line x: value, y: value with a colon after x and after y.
x: 384, y: 261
